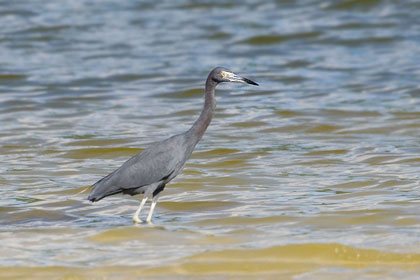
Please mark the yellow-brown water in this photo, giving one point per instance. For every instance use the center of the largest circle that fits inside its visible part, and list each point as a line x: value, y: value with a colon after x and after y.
x: 313, y: 175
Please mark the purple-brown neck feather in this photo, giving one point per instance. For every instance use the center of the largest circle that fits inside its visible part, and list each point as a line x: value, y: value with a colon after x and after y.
x: 203, y: 121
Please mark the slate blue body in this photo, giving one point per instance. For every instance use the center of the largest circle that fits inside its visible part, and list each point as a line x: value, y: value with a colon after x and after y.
x: 148, y: 171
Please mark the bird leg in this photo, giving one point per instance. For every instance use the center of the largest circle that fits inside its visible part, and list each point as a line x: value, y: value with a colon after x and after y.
x: 136, y: 215
x: 152, y: 207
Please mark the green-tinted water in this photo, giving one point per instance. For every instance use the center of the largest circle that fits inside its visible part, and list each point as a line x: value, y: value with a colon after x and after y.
x: 313, y: 175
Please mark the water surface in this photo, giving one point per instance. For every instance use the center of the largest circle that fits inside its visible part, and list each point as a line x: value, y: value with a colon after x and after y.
x: 312, y: 175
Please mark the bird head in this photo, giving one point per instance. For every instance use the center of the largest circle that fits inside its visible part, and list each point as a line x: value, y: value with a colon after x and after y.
x: 221, y: 75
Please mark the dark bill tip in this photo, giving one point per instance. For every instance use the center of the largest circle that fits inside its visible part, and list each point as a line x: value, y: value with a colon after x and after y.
x: 248, y: 81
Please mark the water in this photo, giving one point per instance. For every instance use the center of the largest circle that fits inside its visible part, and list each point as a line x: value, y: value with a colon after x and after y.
x: 312, y: 175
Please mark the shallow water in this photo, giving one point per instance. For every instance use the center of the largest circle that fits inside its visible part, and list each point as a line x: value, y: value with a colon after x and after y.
x: 312, y: 175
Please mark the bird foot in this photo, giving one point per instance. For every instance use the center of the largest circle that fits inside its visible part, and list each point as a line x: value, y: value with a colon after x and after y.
x: 136, y: 220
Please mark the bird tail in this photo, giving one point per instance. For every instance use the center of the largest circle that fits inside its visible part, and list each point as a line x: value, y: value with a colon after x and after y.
x: 93, y: 198
x: 96, y: 195
x: 101, y: 189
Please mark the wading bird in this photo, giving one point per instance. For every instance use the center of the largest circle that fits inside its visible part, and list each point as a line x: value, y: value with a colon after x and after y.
x: 150, y: 170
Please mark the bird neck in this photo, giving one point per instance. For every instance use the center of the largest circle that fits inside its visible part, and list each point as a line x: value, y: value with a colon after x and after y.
x: 203, y: 121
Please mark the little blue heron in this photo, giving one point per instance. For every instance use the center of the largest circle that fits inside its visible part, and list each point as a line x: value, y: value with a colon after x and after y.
x: 150, y: 170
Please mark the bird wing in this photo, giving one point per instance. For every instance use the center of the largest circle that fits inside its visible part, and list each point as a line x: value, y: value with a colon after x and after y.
x: 159, y: 162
